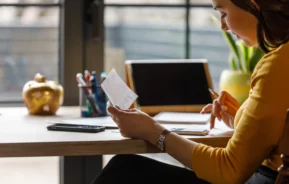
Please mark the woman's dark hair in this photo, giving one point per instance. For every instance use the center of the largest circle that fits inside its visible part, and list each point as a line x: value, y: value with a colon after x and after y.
x: 273, y: 21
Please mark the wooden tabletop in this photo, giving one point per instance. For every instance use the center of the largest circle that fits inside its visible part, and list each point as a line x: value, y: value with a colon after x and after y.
x: 24, y: 135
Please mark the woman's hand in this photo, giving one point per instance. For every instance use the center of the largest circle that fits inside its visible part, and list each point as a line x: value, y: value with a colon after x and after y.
x: 134, y: 123
x: 224, y: 108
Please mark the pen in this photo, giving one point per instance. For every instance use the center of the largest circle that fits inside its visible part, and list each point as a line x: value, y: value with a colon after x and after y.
x: 214, y: 93
x: 101, y: 94
x: 93, y: 73
x: 80, y: 80
x: 91, y: 80
x: 227, y: 103
x: 87, y: 76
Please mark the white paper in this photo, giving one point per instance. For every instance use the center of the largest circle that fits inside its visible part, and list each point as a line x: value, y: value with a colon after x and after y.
x: 118, y: 93
x: 182, y: 118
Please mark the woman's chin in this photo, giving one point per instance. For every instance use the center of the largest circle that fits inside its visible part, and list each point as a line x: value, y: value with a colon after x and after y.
x: 248, y: 43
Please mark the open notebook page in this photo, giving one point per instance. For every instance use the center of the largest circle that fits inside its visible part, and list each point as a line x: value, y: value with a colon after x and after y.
x: 182, y: 118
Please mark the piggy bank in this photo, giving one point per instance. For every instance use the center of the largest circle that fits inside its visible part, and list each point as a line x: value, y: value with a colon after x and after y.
x: 42, y: 97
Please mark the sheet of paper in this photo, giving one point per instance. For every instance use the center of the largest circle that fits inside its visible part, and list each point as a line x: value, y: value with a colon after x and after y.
x: 118, y: 93
x: 182, y: 118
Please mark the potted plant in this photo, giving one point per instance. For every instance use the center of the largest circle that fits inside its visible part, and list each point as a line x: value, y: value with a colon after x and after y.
x: 242, y: 61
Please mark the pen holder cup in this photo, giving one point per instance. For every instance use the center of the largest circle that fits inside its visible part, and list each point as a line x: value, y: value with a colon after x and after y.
x: 92, y: 101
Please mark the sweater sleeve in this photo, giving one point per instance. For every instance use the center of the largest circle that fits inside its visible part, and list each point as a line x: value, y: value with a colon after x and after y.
x: 258, y: 129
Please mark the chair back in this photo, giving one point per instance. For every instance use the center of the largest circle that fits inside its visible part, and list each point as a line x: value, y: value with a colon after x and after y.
x: 283, y: 176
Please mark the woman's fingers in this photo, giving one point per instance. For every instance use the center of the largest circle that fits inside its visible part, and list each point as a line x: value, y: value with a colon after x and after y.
x: 216, y: 109
x: 228, y: 103
x: 116, y: 111
x: 207, y: 108
x: 122, y: 133
x: 226, y: 98
x: 115, y: 119
x: 212, y: 121
x: 130, y: 110
x: 229, y: 109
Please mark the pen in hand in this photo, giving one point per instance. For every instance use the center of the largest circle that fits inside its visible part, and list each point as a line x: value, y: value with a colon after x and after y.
x: 214, y: 93
x: 227, y: 103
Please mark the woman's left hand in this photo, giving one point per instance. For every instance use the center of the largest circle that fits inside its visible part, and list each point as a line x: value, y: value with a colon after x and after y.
x: 133, y: 123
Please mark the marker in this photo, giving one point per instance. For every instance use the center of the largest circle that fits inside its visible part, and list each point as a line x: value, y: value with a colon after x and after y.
x: 87, y: 76
x: 93, y: 73
x: 91, y: 79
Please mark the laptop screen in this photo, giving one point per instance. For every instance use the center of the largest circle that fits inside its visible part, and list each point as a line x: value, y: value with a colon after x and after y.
x: 171, y: 83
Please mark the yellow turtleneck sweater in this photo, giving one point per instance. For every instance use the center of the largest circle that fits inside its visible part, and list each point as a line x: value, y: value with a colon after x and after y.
x: 258, y: 126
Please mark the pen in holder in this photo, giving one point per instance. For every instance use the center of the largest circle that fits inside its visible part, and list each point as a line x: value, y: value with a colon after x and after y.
x: 92, y: 101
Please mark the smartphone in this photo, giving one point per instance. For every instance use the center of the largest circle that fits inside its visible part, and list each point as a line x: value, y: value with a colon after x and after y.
x: 191, y: 131
x: 76, y: 128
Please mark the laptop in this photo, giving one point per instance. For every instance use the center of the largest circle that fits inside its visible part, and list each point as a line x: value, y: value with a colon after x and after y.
x: 169, y: 85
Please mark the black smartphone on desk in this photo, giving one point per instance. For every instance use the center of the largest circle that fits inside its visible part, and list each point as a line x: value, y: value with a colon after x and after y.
x: 76, y: 128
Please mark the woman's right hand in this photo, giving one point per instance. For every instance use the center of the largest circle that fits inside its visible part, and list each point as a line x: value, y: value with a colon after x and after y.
x: 224, y: 108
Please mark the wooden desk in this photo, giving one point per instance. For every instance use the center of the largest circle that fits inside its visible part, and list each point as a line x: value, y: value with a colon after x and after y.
x: 23, y: 135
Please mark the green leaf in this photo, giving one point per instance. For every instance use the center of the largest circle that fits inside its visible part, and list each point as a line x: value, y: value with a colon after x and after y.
x: 230, y: 40
x: 243, y: 50
x: 257, y: 55
x: 232, y: 62
x: 251, y: 52
x: 232, y: 45
x: 216, y: 21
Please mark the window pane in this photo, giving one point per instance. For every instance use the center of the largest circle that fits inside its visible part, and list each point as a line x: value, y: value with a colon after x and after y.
x: 201, y: 1
x: 29, y: 44
x: 27, y: 1
x: 143, y: 33
x: 145, y: 1
x: 207, y: 42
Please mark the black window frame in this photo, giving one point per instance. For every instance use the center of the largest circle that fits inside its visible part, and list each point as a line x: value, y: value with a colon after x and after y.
x: 44, y: 5
x: 72, y: 44
x: 188, y: 6
x: 77, y: 51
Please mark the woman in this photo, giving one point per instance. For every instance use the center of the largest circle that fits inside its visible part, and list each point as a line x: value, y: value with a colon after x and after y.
x: 251, y: 155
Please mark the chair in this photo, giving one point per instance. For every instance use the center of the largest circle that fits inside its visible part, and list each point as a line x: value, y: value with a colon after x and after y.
x: 283, y: 176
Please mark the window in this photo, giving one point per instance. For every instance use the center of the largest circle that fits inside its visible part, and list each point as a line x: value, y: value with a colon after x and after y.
x: 29, y: 44
x: 162, y: 29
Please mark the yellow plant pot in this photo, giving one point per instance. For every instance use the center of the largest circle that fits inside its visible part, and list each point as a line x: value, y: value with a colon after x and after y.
x: 236, y: 83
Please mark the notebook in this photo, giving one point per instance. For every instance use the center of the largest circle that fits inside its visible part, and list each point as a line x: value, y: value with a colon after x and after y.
x: 192, y: 130
x: 182, y: 118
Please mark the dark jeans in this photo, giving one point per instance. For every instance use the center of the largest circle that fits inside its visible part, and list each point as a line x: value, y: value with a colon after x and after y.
x: 131, y: 169
x: 263, y: 175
